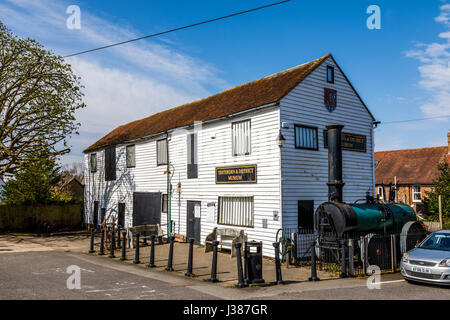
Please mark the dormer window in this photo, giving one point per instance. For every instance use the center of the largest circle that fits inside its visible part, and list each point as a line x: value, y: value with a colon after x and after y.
x: 330, y: 74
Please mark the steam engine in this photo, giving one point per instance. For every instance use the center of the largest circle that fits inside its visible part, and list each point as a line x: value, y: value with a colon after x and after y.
x: 369, y: 220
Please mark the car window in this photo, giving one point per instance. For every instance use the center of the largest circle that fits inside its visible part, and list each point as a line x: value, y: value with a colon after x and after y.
x: 436, y: 241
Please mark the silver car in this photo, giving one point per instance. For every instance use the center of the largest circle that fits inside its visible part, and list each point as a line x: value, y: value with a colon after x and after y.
x: 429, y: 261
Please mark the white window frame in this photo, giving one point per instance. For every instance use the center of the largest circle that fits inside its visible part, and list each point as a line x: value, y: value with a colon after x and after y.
x: 414, y: 193
x: 161, y: 159
x: 164, y: 203
x: 332, y: 74
x: 131, y: 163
x: 241, y: 140
x: 93, y: 168
x: 236, y: 211
x: 380, y: 192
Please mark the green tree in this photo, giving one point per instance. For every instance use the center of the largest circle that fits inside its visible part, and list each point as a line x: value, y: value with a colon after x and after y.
x: 441, y: 187
x: 39, y: 95
x: 33, y: 184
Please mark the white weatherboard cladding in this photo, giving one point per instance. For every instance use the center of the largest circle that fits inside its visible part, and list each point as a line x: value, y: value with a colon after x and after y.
x: 109, y: 193
x: 305, y: 172
x: 214, y: 150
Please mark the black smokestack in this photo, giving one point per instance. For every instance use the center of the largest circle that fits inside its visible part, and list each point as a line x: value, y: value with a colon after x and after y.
x: 335, y: 183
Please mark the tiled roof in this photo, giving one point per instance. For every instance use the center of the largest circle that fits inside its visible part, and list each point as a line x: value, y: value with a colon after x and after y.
x: 244, y: 97
x: 411, y: 166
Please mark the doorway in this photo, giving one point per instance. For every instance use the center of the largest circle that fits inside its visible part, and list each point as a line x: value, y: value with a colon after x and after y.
x: 121, y: 215
x: 306, y: 216
x: 193, y: 229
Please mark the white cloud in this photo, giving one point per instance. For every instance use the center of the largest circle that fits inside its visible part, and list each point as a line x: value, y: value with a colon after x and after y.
x: 123, y: 83
x: 435, y: 69
x: 115, y: 97
x: 444, y: 17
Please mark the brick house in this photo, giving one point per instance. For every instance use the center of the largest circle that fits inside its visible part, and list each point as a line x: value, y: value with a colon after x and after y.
x: 411, y: 170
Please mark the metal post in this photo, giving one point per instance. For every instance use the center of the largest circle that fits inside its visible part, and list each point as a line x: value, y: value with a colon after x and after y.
x: 364, y: 255
x: 393, y: 253
x: 136, y: 256
x: 241, y: 283
x: 343, y: 262
x: 124, y: 246
x: 102, y: 243
x: 440, y: 211
x: 191, y: 255
x: 313, y: 264
x: 152, y: 252
x: 91, y: 249
x: 351, y: 253
x: 118, y: 239
x: 113, y: 244
x: 246, y: 276
x: 169, y: 262
x: 214, y: 263
x: 294, y: 247
x: 276, y: 245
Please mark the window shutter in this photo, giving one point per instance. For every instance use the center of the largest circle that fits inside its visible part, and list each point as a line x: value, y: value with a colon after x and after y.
x: 107, y: 164
x: 192, y: 166
x: 113, y: 162
x: 241, y: 138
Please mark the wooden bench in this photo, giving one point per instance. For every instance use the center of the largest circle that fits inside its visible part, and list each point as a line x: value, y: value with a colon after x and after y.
x: 227, y: 237
x: 153, y: 228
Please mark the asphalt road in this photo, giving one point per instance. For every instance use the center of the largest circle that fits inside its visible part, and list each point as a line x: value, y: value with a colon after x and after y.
x: 38, y: 270
x: 42, y: 275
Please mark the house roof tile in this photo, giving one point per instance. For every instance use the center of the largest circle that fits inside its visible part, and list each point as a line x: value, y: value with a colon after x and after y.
x: 410, y: 166
x: 257, y: 93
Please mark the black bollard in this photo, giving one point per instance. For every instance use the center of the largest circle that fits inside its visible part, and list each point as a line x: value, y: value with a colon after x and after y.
x: 279, y: 280
x: 152, y: 252
x: 91, y: 250
x: 313, y: 265
x: 343, y: 262
x: 169, y: 262
x: 190, y: 258
x: 102, y: 243
x: 118, y: 239
x: 241, y: 283
x: 113, y: 245
x: 136, y: 256
x: 246, y: 277
x: 214, y: 263
x: 124, y: 246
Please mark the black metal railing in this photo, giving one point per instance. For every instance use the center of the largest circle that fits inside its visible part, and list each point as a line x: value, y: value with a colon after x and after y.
x: 359, y: 251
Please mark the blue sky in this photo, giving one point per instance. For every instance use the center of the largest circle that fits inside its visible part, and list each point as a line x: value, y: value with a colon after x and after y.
x: 401, y: 71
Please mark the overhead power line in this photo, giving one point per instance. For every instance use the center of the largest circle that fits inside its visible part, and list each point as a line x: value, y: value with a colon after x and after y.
x: 414, y: 120
x: 177, y: 29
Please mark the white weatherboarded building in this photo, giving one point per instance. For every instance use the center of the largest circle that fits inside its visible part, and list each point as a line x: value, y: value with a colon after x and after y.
x: 228, y: 168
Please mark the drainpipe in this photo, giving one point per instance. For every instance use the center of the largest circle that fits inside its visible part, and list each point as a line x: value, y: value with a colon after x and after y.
x: 169, y: 223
